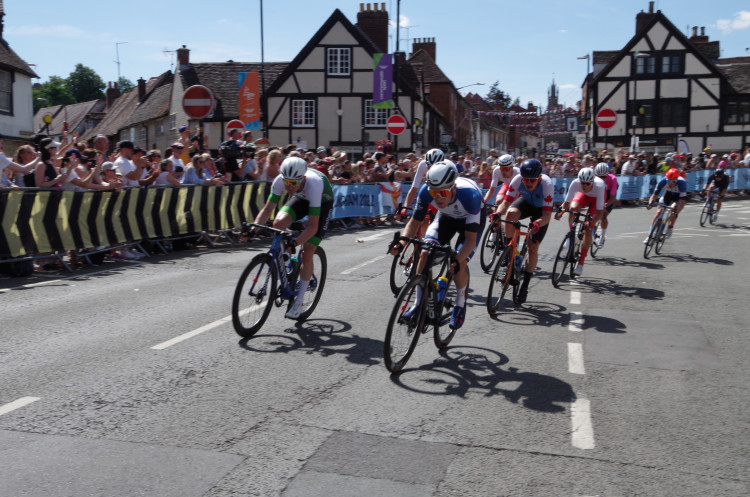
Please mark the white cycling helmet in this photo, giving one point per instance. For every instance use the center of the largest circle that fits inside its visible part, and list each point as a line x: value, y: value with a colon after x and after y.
x: 586, y: 175
x: 433, y: 156
x: 602, y: 169
x: 505, y: 160
x: 293, y: 168
x: 441, y: 176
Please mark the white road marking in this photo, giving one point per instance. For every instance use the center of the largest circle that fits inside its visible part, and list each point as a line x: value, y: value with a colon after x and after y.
x: 576, y: 322
x: 16, y: 404
x: 582, y: 435
x: 375, y: 236
x: 575, y: 358
x: 359, y: 266
x: 575, y: 297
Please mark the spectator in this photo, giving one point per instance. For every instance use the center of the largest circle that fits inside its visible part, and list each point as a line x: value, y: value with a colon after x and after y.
x: 210, y: 166
x: 46, y: 174
x: 271, y: 169
x: 712, y: 162
x: 653, y: 165
x: 249, y: 166
x: 629, y: 168
x: 320, y: 154
x: 26, y: 156
x: 196, y: 174
x: 379, y: 171
x: 166, y: 176
x: 110, y: 174
x: 568, y: 168
x: 231, y: 153
x: 101, y: 144
x: 483, y: 175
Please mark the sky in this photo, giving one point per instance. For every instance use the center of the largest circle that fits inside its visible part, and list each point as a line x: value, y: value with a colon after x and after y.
x: 521, y: 45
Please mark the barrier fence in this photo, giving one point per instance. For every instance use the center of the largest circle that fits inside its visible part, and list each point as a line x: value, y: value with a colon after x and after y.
x: 38, y: 221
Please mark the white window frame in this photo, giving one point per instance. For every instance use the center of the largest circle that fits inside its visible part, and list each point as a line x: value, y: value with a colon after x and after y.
x: 375, y: 118
x: 306, y: 109
x: 339, y: 61
x: 6, y: 91
x: 160, y: 129
x: 173, y: 121
x: 142, y: 133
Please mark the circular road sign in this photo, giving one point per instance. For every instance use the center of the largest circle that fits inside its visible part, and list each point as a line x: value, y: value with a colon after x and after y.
x: 396, y: 124
x: 606, y: 118
x: 198, y: 101
x: 235, y: 124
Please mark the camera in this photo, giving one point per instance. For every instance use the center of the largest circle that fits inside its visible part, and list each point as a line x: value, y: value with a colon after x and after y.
x: 231, y: 150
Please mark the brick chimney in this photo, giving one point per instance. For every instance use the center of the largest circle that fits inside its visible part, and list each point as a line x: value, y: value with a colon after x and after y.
x: 426, y: 44
x: 112, y: 94
x: 373, y: 22
x: 699, y: 39
x: 141, y: 89
x: 183, y: 56
x: 643, y: 18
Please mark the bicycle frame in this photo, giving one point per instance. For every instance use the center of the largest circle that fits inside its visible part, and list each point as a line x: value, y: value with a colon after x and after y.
x: 513, y: 268
x: 657, y: 235
x: 570, y: 254
x: 276, y: 251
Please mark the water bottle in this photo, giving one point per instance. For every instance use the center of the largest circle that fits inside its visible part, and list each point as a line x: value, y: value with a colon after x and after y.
x: 442, y: 286
x: 519, y: 261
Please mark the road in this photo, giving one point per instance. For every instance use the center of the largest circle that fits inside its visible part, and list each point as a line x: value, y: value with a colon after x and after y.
x: 128, y: 379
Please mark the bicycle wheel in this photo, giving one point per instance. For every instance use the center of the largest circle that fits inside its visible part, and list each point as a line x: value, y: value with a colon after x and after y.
x: 712, y: 213
x: 402, y: 267
x: 315, y: 287
x: 706, y: 213
x: 402, y: 333
x: 254, y: 295
x: 562, y: 260
x: 490, y: 248
x: 443, y: 334
x: 576, y: 253
x: 518, y: 275
x: 502, y: 278
x: 595, y: 242
x: 651, y: 238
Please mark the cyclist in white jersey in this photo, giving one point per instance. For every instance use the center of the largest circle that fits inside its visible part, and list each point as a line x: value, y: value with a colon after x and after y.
x: 431, y: 157
x: 459, y: 205
x: 502, y: 174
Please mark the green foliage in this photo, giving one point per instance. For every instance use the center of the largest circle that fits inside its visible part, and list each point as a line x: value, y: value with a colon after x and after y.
x: 84, y: 84
x: 125, y: 84
x: 495, y: 93
x: 51, y: 93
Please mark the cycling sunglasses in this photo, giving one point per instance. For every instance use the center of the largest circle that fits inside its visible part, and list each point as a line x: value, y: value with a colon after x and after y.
x: 292, y: 182
x: 587, y: 183
x: 440, y: 193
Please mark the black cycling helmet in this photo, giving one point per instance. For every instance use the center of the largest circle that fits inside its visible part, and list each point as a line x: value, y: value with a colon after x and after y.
x: 719, y: 172
x: 531, y: 168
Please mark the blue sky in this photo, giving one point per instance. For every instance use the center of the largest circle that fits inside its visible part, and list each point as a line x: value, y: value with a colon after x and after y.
x: 523, y: 45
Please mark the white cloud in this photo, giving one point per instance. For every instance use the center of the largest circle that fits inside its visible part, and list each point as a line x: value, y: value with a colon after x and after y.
x: 563, y: 31
x: 57, y: 31
x: 569, y: 86
x: 741, y: 20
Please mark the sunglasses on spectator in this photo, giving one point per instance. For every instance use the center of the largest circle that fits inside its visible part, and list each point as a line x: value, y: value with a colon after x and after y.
x: 292, y: 182
x: 440, y: 193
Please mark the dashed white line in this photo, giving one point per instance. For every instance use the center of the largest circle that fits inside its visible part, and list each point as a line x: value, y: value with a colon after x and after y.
x: 17, y: 404
x: 375, y: 236
x: 575, y: 358
x: 575, y: 297
x: 576, y: 322
x: 359, y: 266
x: 582, y: 435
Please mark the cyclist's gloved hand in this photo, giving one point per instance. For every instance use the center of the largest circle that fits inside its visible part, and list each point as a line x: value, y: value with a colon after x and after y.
x: 535, y: 227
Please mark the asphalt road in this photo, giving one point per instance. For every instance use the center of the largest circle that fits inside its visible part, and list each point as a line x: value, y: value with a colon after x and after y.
x: 128, y: 379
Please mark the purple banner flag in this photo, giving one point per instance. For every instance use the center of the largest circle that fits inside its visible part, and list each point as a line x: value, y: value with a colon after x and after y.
x: 382, y: 81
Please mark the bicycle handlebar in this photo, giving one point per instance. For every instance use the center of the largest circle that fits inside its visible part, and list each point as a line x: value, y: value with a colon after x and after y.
x: 285, y: 234
x: 577, y: 214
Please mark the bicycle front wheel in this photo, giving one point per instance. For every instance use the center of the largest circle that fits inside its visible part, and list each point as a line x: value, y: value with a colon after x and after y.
x: 502, y: 278
x: 651, y: 241
x: 403, y: 267
x: 254, y: 295
x: 562, y: 260
x: 661, y: 236
x: 443, y: 333
x: 490, y: 248
x: 595, y: 242
x: 315, y: 287
x: 705, y: 213
x: 403, y: 331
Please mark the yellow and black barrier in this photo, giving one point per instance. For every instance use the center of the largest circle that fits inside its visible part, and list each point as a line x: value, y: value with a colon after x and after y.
x: 36, y: 221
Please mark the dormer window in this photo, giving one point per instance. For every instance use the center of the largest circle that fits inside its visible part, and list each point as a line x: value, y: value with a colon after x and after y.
x: 339, y: 61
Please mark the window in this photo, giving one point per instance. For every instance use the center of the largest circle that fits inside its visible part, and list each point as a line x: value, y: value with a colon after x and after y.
x: 173, y: 121
x: 375, y: 117
x: 143, y: 133
x: 303, y: 113
x: 6, y: 92
x: 738, y: 112
x: 160, y: 129
x: 339, y: 61
x: 673, y: 113
x: 645, y: 65
x: 671, y: 64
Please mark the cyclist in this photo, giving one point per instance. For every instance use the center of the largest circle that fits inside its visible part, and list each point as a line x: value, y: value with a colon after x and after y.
x: 459, y: 205
x: 311, y: 196
x: 585, y: 191
x: 503, y: 173
x: 610, y: 180
x: 675, y: 190
x: 717, y: 180
x: 431, y: 157
x: 530, y: 194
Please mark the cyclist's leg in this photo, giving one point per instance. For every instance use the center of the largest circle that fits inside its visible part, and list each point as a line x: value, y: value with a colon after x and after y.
x: 532, y: 256
x: 514, y: 213
x: 719, y: 199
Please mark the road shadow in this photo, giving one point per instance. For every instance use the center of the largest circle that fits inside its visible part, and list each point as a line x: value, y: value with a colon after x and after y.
x: 462, y: 370
x: 325, y: 337
x: 693, y: 258
x: 601, y: 285
x: 532, y: 313
x: 604, y: 324
x: 622, y: 262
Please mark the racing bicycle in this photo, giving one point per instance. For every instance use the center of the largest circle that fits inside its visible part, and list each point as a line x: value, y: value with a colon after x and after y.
x: 271, y: 279
x: 570, y: 248
x: 509, y: 269
x: 409, y: 319
x: 660, y: 230
x: 709, y: 209
x: 492, y: 242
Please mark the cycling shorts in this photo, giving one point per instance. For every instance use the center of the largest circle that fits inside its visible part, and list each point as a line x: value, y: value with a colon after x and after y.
x: 530, y: 211
x: 583, y: 200
x: 443, y: 228
x: 298, y: 207
x: 669, y: 198
x: 501, y: 194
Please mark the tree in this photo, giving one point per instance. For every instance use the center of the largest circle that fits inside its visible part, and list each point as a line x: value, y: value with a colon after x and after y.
x: 125, y: 84
x: 499, y: 96
x: 52, y: 92
x: 84, y: 84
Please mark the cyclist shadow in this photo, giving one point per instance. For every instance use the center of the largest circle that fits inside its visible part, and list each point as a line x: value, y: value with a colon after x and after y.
x: 326, y: 337
x: 600, y: 285
x: 693, y: 258
x: 462, y: 370
x: 622, y: 262
x: 534, y: 314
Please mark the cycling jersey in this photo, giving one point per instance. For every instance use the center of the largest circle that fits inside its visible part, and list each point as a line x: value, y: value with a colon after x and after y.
x: 597, y: 193
x: 497, y: 178
x: 610, y: 181
x: 317, y: 190
x: 542, y: 196
x: 677, y: 188
x: 467, y: 204
x: 721, y: 184
x: 419, y: 173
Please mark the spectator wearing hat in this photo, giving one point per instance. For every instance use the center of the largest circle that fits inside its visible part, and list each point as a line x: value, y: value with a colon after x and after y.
x: 150, y: 171
x: 130, y: 171
x: 110, y: 174
x: 177, y: 149
x: 231, y: 153
x: 320, y: 153
x: 629, y: 168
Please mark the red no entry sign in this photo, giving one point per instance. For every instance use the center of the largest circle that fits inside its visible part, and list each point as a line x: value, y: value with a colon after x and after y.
x: 235, y: 124
x: 198, y: 101
x: 606, y: 118
x: 396, y: 124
